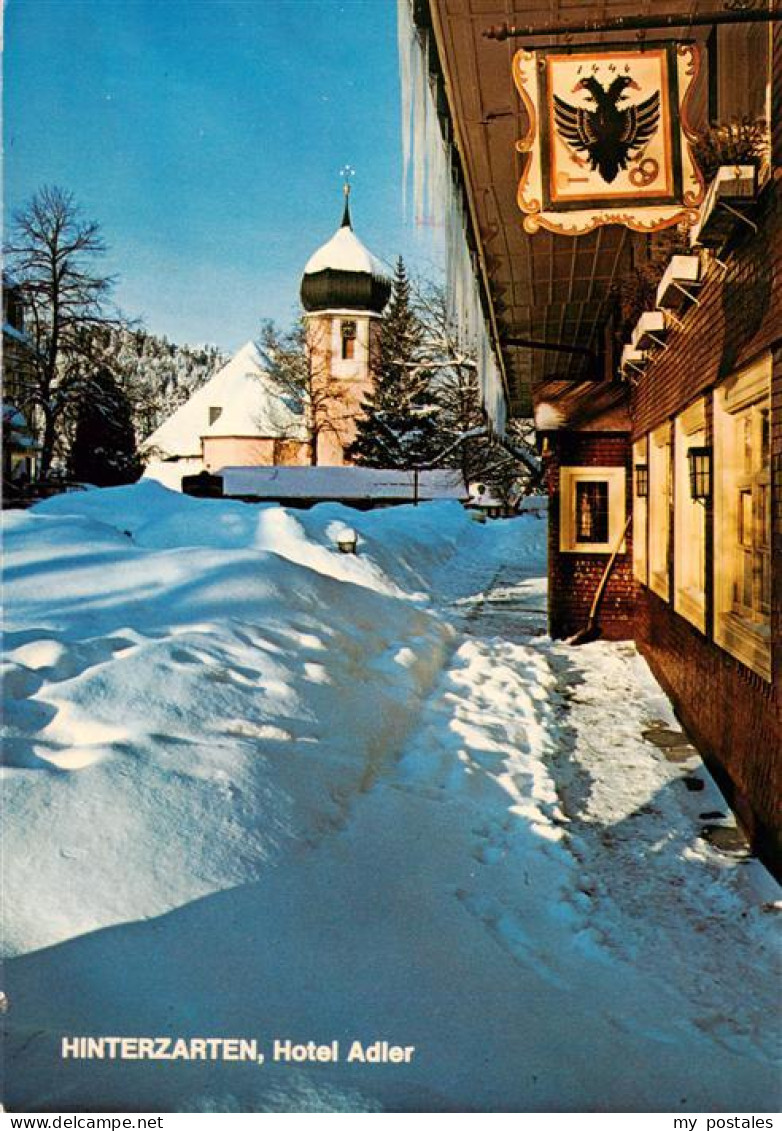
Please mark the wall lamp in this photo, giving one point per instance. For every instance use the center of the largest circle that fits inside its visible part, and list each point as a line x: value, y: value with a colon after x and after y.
x: 642, y: 480
x: 700, y: 472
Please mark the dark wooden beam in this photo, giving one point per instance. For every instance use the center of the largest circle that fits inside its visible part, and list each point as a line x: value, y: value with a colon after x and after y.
x: 553, y: 347
x: 505, y: 31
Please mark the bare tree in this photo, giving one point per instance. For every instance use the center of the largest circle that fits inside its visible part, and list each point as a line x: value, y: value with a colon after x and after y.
x: 504, y: 462
x: 297, y: 360
x: 50, y: 253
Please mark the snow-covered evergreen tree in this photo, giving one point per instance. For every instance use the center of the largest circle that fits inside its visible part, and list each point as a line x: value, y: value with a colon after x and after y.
x: 398, y: 426
x: 104, y: 440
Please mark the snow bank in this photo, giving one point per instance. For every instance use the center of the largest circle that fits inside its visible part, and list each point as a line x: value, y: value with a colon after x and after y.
x: 195, y: 683
x: 398, y: 547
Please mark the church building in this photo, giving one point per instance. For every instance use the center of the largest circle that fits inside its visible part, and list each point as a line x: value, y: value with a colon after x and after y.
x: 244, y: 417
x: 344, y: 291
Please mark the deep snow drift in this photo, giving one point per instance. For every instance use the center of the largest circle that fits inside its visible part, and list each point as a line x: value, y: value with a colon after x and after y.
x: 257, y: 788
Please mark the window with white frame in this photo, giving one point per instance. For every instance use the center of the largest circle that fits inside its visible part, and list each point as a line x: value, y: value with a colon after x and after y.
x: 640, y: 508
x: 659, y: 509
x: 742, y: 516
x: 689, y: 520
x: 592, y: 511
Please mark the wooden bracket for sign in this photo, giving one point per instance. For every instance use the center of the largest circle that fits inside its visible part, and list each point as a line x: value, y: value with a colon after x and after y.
x: 739, y: 215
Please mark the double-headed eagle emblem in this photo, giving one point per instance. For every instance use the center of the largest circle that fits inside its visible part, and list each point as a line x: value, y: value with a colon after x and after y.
x: 610, y: 134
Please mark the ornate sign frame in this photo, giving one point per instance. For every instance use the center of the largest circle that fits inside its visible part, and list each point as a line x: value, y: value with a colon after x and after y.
x: 608, y: 138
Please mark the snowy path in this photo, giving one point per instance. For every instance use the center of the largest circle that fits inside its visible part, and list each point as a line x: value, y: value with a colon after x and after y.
x: 528, y: 795
x: 517, y: 889
x: 656, y: 894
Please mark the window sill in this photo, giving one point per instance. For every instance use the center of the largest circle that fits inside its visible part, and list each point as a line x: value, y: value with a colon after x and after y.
x: 748, y: 643
x: 691, y: 604
x: 658, y: 583
x: 591, y: 548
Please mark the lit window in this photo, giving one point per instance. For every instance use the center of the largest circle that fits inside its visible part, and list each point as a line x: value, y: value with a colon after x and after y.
x: 348, y: 334
x: 689, y: 550
x: 640, y: 508
x: 592, y: 514
x: 742, y: 512
x: 659, y: 504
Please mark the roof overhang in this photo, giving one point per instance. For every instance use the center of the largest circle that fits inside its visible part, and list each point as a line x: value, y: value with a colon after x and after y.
x: 550, y: 298
x: 590, y: 406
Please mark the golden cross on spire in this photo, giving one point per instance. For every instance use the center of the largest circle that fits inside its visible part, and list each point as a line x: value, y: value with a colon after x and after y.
x: 347, y: 172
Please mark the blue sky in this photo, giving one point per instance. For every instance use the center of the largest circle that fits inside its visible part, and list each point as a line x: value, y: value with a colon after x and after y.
x: 206, y: 137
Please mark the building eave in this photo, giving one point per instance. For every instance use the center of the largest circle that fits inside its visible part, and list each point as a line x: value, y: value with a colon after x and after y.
x: 553, y: 291
x: 427, y: 15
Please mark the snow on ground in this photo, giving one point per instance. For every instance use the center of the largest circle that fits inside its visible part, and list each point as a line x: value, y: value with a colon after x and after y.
x: 258, y: 788
x: 224, y: 696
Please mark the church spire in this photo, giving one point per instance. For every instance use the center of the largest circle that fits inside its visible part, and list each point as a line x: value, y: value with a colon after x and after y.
x: 347, y: 171
x: 343, y: 275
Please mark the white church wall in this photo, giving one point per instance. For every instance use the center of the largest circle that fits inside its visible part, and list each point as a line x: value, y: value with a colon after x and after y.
x: 169, y: 472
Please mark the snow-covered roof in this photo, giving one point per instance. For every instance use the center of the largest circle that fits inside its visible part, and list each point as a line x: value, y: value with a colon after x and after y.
x: 345, y: 252
x: 20, y: 440
x: 13, y: 417
x: 340, y: 483
x: 251, y: 405
x: 18, y: 335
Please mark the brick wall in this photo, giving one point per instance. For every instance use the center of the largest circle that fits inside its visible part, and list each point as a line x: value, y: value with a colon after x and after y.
x: 734, y: 715
x: 574, y: 578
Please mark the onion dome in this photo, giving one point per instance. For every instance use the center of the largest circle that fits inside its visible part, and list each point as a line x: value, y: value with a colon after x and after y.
x: 344, y: 275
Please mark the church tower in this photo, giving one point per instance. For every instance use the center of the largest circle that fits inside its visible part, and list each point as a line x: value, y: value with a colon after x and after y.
x: 344, y: 290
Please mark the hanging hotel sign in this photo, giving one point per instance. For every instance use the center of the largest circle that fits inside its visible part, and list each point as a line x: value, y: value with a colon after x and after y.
x: 608, y: 137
